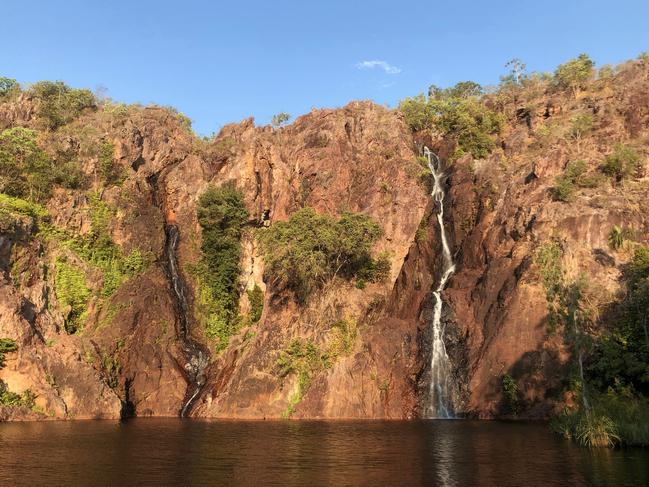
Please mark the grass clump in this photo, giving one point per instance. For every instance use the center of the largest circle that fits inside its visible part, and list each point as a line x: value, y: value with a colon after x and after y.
x: 311, y: 249
x: 72, y: 294
x: 222, y: 215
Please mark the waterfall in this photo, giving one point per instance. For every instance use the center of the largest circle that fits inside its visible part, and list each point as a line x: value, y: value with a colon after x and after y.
x: 197, y: 358
x: 440, y: 405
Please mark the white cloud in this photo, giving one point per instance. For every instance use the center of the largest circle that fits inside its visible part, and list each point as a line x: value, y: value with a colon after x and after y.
x: 388, y: 68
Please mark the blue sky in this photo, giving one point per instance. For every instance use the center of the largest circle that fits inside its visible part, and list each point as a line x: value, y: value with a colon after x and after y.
x: 219, y: 62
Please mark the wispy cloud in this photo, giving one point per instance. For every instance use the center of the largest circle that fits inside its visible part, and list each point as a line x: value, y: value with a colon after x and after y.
x: 385, y: 66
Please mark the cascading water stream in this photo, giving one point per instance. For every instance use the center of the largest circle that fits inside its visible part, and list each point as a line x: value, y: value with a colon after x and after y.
x: 197, y: 358
x: 440, y: 367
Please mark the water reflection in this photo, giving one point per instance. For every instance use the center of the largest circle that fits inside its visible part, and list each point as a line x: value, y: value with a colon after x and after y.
x: 189, y: 452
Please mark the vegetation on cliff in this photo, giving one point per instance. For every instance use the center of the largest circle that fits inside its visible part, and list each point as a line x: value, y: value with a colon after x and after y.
x: 221, y: 214
x: 311, y: 249
x: 610, y: 353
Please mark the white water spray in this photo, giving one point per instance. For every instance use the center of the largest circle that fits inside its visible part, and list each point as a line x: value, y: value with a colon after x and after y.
x: 440, y: 367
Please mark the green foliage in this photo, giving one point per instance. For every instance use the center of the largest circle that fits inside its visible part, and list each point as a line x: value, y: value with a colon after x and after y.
x: 587, y: 428
x: 310, y: 249
x: 617, y: 236
x: 280, y: 119
x: 341, y: 339
x: 6, y: 345
x: 60, y: 104
x: 511, y: 394
x: 12, y: 399
x: 72, y: 294
x: 109, y: 170
x: 98, y: 249
x: 25, y: 169
x: 256, y: 299
x: 111, y: 369
x: 574, y: 73
x: 564, y: 190
x: 457, y: 112
x: 22, y: 207
x: 622, y: 163
x: 548, y: 259
x: 303, y: 358
x: 573, y: 177
x: 222, y: 215
x: 621, y: 356
x: 8, y: 87
x: 581, y: 125
x: 463, y: 89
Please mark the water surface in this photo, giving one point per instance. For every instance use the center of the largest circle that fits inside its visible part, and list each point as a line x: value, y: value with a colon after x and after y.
x: 193, y: 452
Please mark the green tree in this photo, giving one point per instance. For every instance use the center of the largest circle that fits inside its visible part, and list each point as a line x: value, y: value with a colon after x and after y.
x: 25, y: 170
x: 280, y: 119
x: 311, y: 249
x: 456, y: 112
x: 8, y: 86
x: 573, y: 74
x: 60, y: 104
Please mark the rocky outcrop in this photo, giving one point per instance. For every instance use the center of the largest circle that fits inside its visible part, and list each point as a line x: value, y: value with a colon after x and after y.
x: 137, y: 352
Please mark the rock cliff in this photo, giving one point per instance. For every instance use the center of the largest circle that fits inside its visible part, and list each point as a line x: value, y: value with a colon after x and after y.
x: 136, y: 347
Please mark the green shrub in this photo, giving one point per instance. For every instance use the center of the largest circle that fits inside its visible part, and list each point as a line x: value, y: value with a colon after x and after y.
x: 303, y: 358
x: 617, y: 236
x: 310, y: 249
x: 222, y: 215
x: 341, y: 338
x: 574, y: 73
x: 564, y: 190
x: 7, y: 345
x: 511, y: 394
x: 456, y: 112
x: 621, y: 355
x: 60, y: 104
x: 111, y: 369
x: 256, y: 299
x: 72, y: 294
x: 23, y: 207
x: 574, y: 176
x: 622, y: 163
x: 548, y: 259
x: 25, y: 169
x: 109, y: 170
x: 12, y: 399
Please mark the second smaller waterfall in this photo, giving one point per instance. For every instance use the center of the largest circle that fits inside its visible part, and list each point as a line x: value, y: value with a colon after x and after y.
x: 440, y: 405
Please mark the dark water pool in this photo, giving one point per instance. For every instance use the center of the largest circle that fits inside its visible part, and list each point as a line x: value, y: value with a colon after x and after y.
x: 191, y: 452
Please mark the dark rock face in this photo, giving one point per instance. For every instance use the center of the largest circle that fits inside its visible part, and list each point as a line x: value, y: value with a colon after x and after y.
x: 138, y: 352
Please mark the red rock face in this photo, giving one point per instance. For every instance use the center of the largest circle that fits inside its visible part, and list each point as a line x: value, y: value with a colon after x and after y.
x: 130, y: 356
